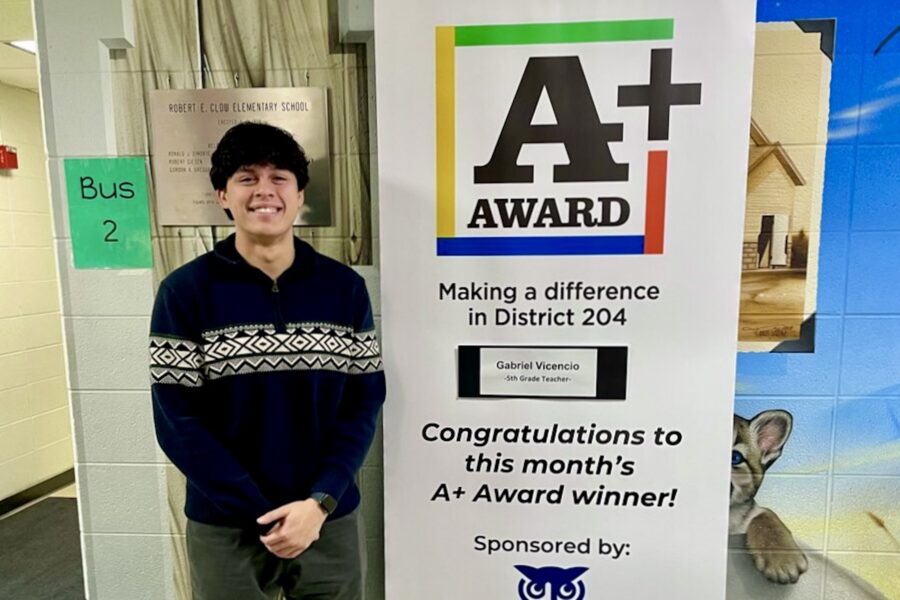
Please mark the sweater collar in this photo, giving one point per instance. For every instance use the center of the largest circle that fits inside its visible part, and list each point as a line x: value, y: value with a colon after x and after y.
x: 304, y: 258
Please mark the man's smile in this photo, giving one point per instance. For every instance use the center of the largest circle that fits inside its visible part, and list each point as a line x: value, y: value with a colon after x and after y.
x: 265, y: 210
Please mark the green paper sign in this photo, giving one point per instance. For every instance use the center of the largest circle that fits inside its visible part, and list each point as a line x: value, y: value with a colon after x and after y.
x: 108, y: 216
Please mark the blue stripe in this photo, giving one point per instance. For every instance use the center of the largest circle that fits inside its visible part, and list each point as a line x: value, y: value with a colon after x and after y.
x: 540, y: 246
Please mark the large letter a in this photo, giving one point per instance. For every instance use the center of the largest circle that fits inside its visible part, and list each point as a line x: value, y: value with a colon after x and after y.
x: 577, y: 126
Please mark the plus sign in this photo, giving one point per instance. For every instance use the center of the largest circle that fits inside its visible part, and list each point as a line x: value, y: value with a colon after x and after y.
x: 660, y: 95
x: 459, y: 492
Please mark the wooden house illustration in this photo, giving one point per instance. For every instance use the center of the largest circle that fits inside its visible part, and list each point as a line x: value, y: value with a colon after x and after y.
x: 771, y: 223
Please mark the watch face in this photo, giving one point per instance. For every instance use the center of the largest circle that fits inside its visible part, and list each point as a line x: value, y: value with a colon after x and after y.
x: 327, y: 502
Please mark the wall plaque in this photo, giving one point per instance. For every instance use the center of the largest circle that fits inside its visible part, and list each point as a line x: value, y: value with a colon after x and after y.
x: 186, y: 125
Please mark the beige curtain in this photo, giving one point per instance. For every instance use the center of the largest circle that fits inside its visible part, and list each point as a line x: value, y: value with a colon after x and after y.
x: 188, y: 44
x: 273, y: 43
x: 166, y: 56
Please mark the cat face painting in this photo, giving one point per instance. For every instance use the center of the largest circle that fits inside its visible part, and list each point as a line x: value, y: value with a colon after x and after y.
x: 756, y: 444
x: 551, y: 583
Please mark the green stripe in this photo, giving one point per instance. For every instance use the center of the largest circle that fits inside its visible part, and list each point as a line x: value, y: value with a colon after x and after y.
x: 565, y: 33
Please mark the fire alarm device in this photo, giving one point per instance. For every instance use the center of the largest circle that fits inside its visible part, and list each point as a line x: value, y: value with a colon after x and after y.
x: 8, y: 158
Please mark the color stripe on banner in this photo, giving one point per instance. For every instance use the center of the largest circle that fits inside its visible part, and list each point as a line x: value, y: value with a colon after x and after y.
x: 655, y: 223
x: 445, y: 99
x: 540, y: 246
x: 565, y: 33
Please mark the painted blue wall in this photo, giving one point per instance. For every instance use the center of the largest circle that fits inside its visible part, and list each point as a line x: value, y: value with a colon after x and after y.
x: 843, y: 459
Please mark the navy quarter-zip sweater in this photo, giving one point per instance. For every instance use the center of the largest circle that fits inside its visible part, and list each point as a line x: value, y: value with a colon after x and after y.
x: 264, y: 391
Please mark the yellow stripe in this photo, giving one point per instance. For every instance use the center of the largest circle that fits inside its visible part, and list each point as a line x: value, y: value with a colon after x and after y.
x: 445, y: 90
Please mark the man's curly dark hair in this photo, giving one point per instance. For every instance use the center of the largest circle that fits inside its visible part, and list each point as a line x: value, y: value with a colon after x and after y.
x: 251, y: 143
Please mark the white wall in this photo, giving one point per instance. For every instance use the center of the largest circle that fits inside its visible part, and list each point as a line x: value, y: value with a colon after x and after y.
x: 35, y: 429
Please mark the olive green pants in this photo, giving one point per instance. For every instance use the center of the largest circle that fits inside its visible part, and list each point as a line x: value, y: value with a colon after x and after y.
x: 232, y: 564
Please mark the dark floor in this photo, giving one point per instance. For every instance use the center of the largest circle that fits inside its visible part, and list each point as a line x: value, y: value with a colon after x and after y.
x: 40, y: 552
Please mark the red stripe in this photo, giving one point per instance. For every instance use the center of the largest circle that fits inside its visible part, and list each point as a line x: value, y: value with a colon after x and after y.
x: 655, y: 224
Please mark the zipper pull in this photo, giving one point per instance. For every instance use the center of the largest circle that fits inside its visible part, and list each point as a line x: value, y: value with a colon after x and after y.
x: 274, y: 287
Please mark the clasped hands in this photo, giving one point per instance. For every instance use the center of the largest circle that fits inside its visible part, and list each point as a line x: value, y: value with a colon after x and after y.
x: 295, y: 527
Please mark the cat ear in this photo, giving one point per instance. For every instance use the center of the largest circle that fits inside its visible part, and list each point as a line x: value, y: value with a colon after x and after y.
x: 771, y: 430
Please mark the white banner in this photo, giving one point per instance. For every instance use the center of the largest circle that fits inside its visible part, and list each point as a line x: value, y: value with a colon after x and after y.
x: 562, y: 189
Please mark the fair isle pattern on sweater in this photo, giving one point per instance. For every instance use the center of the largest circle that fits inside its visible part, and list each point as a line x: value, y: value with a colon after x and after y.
x: 261, y: 348
x: 175, y: 360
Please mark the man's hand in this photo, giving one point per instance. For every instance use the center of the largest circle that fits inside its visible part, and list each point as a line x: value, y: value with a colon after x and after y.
x: 296, y: 527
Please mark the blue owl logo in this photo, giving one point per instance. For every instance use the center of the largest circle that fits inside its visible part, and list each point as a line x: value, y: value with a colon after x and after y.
x: 551, y: 583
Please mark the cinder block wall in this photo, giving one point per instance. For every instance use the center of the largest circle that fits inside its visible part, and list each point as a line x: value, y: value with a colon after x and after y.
x: 121, y: 476
x: 35, y: 428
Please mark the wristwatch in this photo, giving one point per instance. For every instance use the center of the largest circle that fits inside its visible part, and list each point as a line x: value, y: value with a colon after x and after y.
x: 327, y: 503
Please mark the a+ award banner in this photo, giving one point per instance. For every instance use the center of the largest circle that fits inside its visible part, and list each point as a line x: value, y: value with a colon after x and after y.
x: 562, y: 192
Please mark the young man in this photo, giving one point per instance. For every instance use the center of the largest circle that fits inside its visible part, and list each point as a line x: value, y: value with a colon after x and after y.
x: 267, y: 383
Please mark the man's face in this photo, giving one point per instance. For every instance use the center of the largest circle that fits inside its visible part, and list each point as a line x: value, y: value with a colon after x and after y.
x: 263, y: 199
